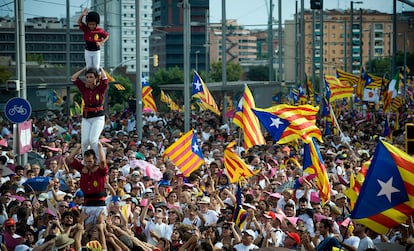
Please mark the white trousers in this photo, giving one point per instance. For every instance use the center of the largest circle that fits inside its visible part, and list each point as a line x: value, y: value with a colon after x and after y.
x: 93, y: 59
x: 90, y: 132
x: 93, y: 213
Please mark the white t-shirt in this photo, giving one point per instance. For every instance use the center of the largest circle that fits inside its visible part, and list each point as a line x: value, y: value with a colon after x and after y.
x: 241, y: 247
x: 211, y: 217
x: 162, y: 230
x: 365, y: 243
x: 352, y: 241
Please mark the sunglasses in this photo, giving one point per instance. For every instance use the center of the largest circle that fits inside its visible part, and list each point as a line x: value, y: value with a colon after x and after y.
x: 159, y: 210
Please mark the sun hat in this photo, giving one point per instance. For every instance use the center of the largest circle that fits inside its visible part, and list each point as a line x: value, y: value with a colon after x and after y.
x: 62, y: 241
x: 43, y: 197
x: 250, y: 232
x: 294, y: 236
x: 204, y: 200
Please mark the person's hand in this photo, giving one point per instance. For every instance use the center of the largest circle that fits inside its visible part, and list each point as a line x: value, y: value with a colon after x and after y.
x: 85, y: 12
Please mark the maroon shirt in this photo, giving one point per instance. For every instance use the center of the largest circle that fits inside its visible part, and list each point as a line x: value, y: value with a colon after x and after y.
x: 92, y: 97
x: 91, y: 183
x: 92, y: 36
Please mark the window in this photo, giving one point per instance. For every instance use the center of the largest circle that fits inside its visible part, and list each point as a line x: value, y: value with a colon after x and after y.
x: 379, y: 26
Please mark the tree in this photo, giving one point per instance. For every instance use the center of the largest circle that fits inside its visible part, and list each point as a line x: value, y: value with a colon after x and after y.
x: 258, y: 73
x: 116, y: 96
x: 380, y: 66
x: 164, y: 77
x: 5, y: 74
x: 234, y: 71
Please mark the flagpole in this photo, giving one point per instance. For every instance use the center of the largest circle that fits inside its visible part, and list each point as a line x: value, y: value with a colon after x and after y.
x: 339, y: 129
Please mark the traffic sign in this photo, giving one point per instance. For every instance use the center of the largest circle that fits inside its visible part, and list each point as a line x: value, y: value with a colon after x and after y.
x: 17, y: 110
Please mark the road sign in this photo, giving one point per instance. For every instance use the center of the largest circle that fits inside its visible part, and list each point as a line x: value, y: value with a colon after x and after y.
x: 17, y: 110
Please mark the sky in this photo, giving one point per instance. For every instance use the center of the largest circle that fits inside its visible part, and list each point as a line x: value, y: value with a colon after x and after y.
x: 249, y: 13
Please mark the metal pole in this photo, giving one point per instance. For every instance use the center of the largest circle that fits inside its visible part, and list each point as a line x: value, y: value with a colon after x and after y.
x: 394, y: 37
x: 302, y: 44
x: 296, y: 43
x: 405, y: 63
x: 370, y: 49
x: 313, y: 49
x: 280, y: 41
x: 360, y: 39
x: 22, y: 47
x: 350, y: 37
x: 196, y: 63
x: 68, y: 58
x: 106, y: 52
x: 138, y: 74
x: 345, y: 45
x: 224, y: 56
x: 207, y: 46
x: 270, y: 41
x: 321, y: 70
x: 186, y: 48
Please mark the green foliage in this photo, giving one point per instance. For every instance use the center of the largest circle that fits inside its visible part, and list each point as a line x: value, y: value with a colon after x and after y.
x: 234, y: 71
x: 164, y: 77
x: 5, y: 74
x: 258, y: 73
x: 117, y: 108
x: 399, y: 59
x: 35, y: 58
x: 117, y: 96
x: 380, y: 66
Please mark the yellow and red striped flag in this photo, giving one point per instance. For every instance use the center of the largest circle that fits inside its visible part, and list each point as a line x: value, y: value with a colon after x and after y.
x: 169, y: 101
x: 355, y: 184
x: 339, y: 89
x: 147, y: 98
x: 348, y: 77
x: 201, y: 92
x: 301, y: 122
x: 185, y: 153
x: 247, y: 120
x: 386, y: 198
x: 235, y: 166
x: 313, y: 164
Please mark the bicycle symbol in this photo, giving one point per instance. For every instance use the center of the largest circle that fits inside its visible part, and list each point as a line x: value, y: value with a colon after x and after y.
x: 17, y: 109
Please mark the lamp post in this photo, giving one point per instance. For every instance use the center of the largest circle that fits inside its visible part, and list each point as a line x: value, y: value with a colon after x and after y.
x: 352, y: 32
x: 196, y: 58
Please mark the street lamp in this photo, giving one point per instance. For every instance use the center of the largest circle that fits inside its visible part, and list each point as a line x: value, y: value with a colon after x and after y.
x: 196, y: 63
x: 352, y: 32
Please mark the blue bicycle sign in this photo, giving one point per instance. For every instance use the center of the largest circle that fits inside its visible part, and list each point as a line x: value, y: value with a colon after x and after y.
x: 17, y: 110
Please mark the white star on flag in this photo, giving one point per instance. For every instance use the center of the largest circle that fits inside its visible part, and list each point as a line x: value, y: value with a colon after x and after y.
x: 276, y: 122
x: 195, y: 147
x: 387, y: 189
x: 197, y: 84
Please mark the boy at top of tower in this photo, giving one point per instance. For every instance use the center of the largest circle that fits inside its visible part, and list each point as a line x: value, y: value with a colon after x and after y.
x: 94, y: 37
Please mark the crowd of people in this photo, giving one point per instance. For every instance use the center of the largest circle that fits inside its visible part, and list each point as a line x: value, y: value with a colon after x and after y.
x: 88, y: 189
x: 100, y: 200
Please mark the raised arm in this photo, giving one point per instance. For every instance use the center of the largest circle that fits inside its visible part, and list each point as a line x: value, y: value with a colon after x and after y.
x: 102, y: 155
x: 77, y: 74
x: 72, y: 154
x: 83, y: 14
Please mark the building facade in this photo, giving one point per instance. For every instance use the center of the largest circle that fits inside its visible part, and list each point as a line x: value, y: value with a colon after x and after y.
x: 167, y: 36
x: 121, y: 25
x: 344, y: 46
x: 45, y: 41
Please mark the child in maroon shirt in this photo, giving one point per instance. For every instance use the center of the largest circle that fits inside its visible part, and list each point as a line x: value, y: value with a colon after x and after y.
x: 94, y: 37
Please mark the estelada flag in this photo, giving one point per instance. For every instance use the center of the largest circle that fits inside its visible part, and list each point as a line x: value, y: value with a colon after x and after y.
x: 386, y: 198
